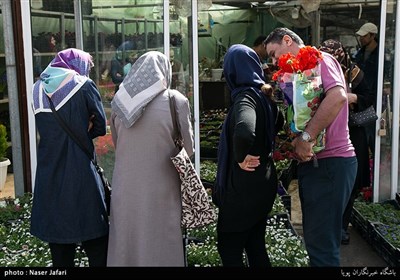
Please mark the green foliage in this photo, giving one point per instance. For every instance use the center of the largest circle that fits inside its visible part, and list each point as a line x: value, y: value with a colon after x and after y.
x: 208, y: 170
x: 384, y: 213
x: 13, y: 209
x: 18, y: 247
x: 284, y: 246
x: 3, y: 142
x: 278, y: 207
x: 285, y: 249
x: 385, y: 216
x: 391, y: 233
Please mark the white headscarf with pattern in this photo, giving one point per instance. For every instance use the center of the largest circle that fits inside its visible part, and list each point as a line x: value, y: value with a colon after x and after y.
x: 149, y: 76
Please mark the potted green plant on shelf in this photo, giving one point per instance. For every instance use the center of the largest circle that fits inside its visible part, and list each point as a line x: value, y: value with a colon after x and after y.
x: 4, y: 162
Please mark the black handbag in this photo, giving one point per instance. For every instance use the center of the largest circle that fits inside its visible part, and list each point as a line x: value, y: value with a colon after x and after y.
x: 363, y: 118
x: 100, y: 171
x: 367, y: 116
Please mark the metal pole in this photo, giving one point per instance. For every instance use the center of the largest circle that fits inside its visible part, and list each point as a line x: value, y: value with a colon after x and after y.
x: 78, y: 24
x: 13, y: 98
x: 396, y: 101
x: 195, y: 65
x: 377, y: 153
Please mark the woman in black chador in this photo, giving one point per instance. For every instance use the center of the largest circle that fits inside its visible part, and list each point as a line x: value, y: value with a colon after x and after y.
x: 246, y: 183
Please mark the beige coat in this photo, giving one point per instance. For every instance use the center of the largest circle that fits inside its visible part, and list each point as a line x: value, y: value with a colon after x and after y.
x: 146, y: 201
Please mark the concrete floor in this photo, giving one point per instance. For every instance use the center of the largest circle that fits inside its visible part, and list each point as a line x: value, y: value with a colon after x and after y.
x: 357, y: 254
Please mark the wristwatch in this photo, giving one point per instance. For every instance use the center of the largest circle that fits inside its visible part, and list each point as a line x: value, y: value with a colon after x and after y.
x: 306, y: 137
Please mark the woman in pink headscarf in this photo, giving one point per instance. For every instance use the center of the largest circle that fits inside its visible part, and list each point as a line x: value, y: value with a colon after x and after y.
x: 68, y: 203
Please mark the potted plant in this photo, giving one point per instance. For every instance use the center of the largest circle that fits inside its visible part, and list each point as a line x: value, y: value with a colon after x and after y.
x: 4, y: 162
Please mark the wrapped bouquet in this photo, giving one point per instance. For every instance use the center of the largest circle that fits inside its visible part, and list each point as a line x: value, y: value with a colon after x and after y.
x: 299, y: 78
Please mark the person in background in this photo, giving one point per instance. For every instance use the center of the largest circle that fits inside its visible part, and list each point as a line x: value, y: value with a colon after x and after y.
x: 178, y: 77
x: 106, y: 58
x: 119, y: 61
x: 145, y: 228
x: 360, y: 97
x: 325, y: 188
x: 44, y: 48
x: 258, y: 47
x: 129, y: 62
x: 68, y: 201
x: 246, y: 183
x: 51, y: 43
x: 367, y: 59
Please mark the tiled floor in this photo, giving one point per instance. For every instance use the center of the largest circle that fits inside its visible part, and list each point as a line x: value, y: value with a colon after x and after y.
x: 8, y: 189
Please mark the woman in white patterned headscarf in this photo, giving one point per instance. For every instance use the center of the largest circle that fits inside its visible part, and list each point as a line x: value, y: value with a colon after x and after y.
x: 146, y: 201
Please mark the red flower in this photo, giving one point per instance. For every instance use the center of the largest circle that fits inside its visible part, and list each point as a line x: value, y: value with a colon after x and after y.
x: 277, y: 156
x: 104, y: 144
x: 288, y: 63
x: 366, y: 193
x: 307, y: 58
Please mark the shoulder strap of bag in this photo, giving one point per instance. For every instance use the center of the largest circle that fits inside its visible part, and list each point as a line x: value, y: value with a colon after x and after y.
x: 349, y: 80
x: 70, y: 133
x: 177, y: 129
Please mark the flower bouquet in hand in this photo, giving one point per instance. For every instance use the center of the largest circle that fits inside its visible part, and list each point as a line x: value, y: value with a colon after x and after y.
x: 299, y: 78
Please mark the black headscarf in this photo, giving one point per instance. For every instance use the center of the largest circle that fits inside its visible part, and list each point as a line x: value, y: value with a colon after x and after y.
x: 243, y: 73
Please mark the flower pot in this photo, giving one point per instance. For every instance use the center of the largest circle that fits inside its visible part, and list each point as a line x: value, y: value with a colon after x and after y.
x: 3, y: 172
x: 216, y: 74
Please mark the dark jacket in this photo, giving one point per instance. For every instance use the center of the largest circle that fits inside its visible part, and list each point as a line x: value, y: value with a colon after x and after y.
x: 365, y: 98
x: 68, y: 205
x: 370, y: 68
x: 249, y: 196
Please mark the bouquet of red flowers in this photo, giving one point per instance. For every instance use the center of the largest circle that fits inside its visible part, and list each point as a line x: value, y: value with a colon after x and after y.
x: 299, y: 78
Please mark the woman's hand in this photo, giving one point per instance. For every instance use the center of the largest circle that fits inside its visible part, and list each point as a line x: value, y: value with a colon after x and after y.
x: 250, y: 163
x: 268, y: 90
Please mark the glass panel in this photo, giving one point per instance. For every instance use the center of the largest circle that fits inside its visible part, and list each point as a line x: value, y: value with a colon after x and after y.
x: 6, y: 182
x: 53, y: 29
x: 385, y: 176
x: 116, y: 35
x: 179, y: 44
x: 340, y: 22
x: 387, y: 102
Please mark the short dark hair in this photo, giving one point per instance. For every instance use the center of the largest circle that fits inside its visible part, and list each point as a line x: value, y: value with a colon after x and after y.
x: 259, y: 40
x: 277, y: 34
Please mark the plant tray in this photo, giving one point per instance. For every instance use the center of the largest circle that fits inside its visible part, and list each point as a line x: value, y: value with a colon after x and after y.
x: 392, y: 202
x: 361, y: 224
x: 207, y: 184
x: 287, y: 202
x: 385, y: 249
x: 210, y: 153
x: 288, y: 174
